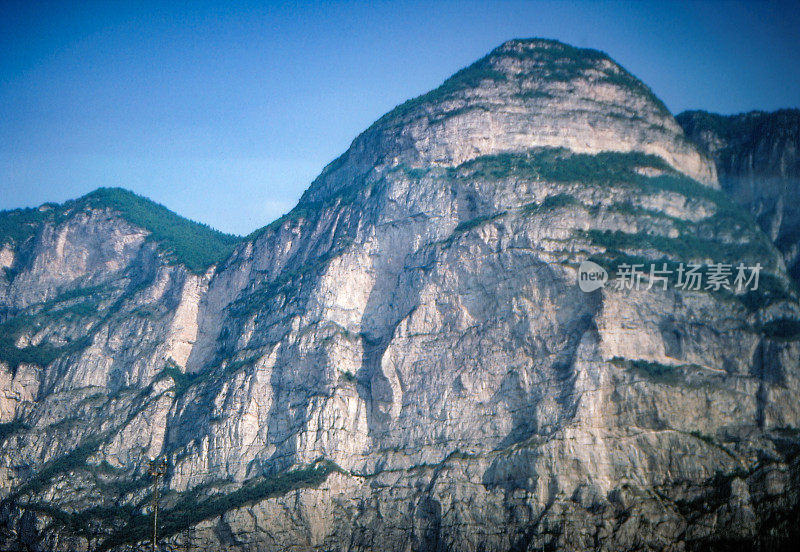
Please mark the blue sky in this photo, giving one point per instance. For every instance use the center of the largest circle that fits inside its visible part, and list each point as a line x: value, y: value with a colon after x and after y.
x: 225, y: 112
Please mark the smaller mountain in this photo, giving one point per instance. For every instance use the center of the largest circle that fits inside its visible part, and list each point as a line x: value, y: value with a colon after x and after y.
x: 757, y: 155
x: 192, y: 244
x: 69, y: 272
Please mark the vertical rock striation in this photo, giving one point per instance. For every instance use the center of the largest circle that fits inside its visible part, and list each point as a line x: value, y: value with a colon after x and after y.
x: 405, y: 361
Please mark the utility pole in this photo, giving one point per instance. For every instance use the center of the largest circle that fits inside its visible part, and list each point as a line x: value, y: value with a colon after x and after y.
x: 157, y: 469
x: 188, y: 536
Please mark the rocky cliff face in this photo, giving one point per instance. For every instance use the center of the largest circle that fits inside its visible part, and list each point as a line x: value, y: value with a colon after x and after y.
x: 405, y: 361
x: 758, y: 158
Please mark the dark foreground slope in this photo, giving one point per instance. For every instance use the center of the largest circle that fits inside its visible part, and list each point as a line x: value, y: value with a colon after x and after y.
x: 405, y: 360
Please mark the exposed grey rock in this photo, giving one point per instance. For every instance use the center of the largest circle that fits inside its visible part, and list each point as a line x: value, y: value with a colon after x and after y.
x: 405, y: 361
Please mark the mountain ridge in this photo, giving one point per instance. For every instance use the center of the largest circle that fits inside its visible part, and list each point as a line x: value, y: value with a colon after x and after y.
x: 758, y: 160
x: 406, y: 362
x: 588, y: 101
x: 195, y: 244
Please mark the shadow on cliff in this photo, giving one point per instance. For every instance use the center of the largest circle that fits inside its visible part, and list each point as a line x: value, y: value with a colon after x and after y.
x: 536, y: 422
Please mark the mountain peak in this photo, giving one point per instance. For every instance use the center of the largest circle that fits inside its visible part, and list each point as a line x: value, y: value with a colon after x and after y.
x: 193, y: 244
x: 524, y: 94
x: 540, y: 48
x: 551, y: 60
x: 524, y: 64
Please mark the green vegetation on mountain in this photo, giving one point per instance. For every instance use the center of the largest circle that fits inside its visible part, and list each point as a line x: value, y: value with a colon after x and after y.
x: 729, y: 235
x: 558, y: 165
x: 181, y: 380
x: 653, y: 371
x: 42, y: 354
x: 552, y: 202
x: 475, y: 222
x: 550, y: 60
x: 742, y: 126
x: 195, y: 245
x: 786, y: 329
x: 8, y: 429
x: 757, y: 156
x: 192, y: 244
x: 468, y: 77
x: 561, y: 165
x: 73, y: 460
x: 752, y: 145
x: 562, y: 62
x: 687, y: 247
x: 123, y: 524
x: 191, y: 508
x: 18, y: 225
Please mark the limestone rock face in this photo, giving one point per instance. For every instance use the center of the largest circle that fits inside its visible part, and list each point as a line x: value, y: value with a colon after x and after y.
x: 406, y: 362
x: 524, y: 94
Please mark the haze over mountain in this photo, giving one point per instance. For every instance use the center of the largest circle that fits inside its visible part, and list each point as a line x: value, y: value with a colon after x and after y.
x: 405, y: 361
x: 758, y: 158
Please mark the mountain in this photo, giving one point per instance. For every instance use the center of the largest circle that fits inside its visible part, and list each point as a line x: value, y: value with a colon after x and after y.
x: 757, y: 156
x: 406, y: 361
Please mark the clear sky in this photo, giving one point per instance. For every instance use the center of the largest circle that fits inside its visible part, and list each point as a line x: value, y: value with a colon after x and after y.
x: 225, y: 112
